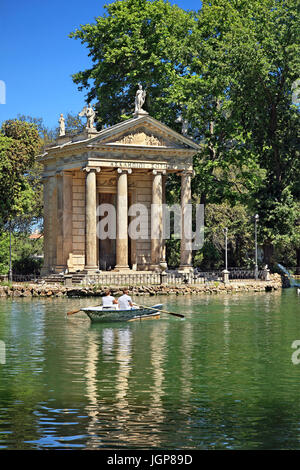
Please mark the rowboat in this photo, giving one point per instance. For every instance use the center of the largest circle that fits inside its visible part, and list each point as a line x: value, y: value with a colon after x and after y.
x: 105, y: 315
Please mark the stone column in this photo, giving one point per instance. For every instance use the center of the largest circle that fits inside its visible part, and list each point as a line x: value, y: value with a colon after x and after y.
x: 186, y: 224
x: 67, y: 216
x: 64, y: 220
x: 122, y: 220
x: 157, y: 220
x: 53, y: 225
x: 163, y: 257
x: 132, y: 241
x: 59, y: 231
x: 90, y: 219
x: 46, y: 267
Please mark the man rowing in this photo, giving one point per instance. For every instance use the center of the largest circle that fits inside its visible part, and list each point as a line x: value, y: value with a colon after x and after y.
x: 125, y: 301
x: 108, y: 301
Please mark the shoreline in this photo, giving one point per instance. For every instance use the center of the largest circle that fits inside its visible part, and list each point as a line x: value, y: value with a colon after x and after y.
x: 56, y: 290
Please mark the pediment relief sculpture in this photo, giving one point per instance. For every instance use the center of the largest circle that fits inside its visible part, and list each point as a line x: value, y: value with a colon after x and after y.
x: 141, y: 138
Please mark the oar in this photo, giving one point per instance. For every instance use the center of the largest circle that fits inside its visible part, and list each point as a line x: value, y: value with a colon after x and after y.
x: 76, y: 311
x: 163, y: 311
x: 73, y: 311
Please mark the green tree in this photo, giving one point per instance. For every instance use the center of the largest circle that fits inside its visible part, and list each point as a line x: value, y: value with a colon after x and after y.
x: 21, y: 141
x: 229, y: 70
x: 163, y: 47
x: 73, y: 125
x: 138, y: 41
x: 26, y: 253
x: 19, y: 145
x: 251, y: 52
x: 240, y: 227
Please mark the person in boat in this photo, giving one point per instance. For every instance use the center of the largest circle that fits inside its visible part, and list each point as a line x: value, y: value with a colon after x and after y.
x: 125, y: 301
x: 108, y: 300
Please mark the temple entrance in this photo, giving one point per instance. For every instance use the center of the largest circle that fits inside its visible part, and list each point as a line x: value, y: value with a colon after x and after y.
x: 107, y: 247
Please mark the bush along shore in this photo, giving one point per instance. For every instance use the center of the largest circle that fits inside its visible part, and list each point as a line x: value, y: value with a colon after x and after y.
x: 57, y: 290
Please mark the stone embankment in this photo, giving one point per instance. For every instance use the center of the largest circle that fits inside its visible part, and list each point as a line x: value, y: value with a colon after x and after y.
x: 57, y: 290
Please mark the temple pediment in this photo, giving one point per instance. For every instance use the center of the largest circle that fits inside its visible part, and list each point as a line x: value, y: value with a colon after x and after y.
x: 142, y: 138
x: 143, y: 131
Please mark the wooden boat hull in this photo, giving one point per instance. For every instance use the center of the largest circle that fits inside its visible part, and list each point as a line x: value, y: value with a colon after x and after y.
x: 96, y: 315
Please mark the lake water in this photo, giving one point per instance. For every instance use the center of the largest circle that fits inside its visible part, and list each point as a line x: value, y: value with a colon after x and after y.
x: 222, y: 378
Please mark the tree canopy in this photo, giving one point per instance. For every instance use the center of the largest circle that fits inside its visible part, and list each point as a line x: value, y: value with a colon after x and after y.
x: 229, y: 69
x: 19, y: 145
x: 21, y: 200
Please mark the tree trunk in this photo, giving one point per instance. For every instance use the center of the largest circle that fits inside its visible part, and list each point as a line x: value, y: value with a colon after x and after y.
x: 268, y: 253
x: 298, y: 260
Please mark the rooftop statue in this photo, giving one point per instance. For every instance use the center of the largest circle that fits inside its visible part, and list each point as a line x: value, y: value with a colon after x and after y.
x: 62, y: 127
x: 139, y: 101
x: 184, y: 125
x: 90, y: 114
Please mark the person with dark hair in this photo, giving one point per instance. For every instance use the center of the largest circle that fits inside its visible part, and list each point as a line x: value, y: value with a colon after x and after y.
x: 125, y: 301
x: 108, y: 300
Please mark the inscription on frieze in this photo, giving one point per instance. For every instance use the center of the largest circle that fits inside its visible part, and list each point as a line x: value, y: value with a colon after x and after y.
x: 162, y: 166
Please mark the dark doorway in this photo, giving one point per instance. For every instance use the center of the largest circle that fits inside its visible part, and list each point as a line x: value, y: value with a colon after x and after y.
x: 107, y: 247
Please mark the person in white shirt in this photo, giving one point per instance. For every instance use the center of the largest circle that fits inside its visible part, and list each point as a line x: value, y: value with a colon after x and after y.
x: 125, y: 301
x: 108, y: 300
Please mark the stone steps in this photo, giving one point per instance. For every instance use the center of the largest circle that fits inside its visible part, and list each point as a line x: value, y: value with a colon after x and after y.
x: 51, y: 279
x: 77, y: 278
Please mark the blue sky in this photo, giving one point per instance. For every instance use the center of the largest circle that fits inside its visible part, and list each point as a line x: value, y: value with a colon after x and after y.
x: 37, y: 58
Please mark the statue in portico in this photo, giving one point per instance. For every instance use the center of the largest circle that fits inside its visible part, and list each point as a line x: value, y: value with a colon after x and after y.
x: 140, y: 97
x: 62, y: 127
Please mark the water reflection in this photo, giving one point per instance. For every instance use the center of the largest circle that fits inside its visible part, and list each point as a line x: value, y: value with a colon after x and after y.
x: 221, y: 378
x: 123, y: 358
x: 108, y: 339
x: 227, y: 310
x: 92, y: 389
x: 158, y: 341
x: 186, y: 348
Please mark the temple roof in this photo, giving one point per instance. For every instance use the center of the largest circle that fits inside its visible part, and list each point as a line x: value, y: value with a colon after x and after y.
x: 139, y: 142
x: 141, y: 131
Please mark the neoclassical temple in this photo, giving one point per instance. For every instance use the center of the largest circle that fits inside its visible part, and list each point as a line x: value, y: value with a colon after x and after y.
x: 124, y: 164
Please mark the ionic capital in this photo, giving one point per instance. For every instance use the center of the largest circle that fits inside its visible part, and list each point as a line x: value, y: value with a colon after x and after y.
x: 159, y: 172
x: 87, y: 169
x: 121, y: 170
x: 190, y: 173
